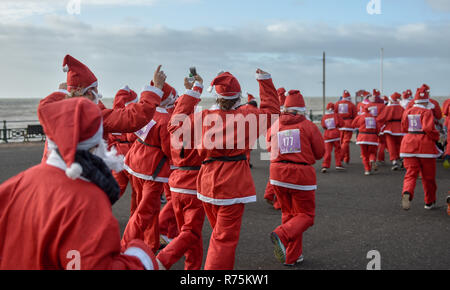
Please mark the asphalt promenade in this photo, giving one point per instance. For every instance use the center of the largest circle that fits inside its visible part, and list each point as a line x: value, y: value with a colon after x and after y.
x: 354, y: 215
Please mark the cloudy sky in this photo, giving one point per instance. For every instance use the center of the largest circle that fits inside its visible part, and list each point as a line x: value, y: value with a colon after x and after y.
x: 123, y: 41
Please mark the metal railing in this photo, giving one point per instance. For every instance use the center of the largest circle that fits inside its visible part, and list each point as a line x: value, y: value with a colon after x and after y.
x: 21, y: 131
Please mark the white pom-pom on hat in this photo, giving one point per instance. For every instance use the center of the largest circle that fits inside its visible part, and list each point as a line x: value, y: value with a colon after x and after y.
x: 74, y: 171
x: 66, y: 68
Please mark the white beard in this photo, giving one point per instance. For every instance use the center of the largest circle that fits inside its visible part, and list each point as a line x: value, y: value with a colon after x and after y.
x: 112, y: 160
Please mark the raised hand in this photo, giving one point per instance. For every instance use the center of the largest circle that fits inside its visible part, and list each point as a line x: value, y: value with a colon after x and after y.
x: 159, y: 78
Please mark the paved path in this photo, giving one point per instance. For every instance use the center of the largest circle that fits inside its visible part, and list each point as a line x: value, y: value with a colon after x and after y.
x: 355, y: 214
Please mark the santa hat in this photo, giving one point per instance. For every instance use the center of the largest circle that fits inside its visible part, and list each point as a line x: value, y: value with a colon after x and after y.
x: 422, y: 94
x: 395, y: 97
x: 124, y: 97
x: 295, y: 101
x: 169, y: 95
x: 79, y: 76
x: 71, y: 125
x: 346, y: 94
x: 376, y: 93
x: 366, y: 94
x: 225, y: 86
x: 330, y: 107
x: 250, y: 98
x: 281, y: 95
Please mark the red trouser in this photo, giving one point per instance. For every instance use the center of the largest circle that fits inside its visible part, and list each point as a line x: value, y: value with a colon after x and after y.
x: 381, y: 147
x: 190, y: 216
x: 346, y: 137
x: 427, y: 169
x: 143, y: 224
x: 269, y: 194
x: 297, y: 215
x: 393, y: 145
x: 337, y: 154
x: 122, y: 179
x: 369, y: 153
x: 226, y: 224
x: 167, y: 221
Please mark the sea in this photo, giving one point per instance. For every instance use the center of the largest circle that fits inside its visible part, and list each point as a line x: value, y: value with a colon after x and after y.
x: 16, y: 112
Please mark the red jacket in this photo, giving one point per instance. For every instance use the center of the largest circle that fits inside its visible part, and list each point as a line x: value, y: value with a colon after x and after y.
x: 332, y: 123
x: 420, y: 141
x: 226, y: 183
x: 46, y: 219
x: 376, y: 108
x: 151, y: 150
x: 295, y: 144
x: 390, y: 119
x: 347, y: 111
x: 184, y: 155
x: 368, y: 129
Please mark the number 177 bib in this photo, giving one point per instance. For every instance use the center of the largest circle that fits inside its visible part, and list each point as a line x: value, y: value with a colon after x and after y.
x: 289, y: 141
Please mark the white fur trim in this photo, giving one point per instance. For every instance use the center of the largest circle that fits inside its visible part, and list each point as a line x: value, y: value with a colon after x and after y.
x: 148, y: 88
x: 261, y: 77
x: 193, y: 94
x: 126, y: 88
x: 332, y: 140
x: 293, y: 186
x: 347, y: 129
x: 367, y: 143
x: 299, y: 109
x: 74, y: 171
x: 144, y: 176
x: 228, y: 201
x: 142, y: 256
x: 420, y: 155
x: 183, y: 190
x: 393, y: 134
x: 66, y: 68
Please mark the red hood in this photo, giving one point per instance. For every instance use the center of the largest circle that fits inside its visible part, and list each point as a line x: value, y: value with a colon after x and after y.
x: 288, y: 119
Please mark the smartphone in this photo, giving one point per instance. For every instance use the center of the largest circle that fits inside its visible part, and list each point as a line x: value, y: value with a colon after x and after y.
x: 193, y: 71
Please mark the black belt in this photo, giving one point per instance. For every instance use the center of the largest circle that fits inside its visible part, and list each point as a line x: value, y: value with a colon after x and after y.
x: 146, y: 144
x: 412, y: 132
x: 368, y: 133
x: 122, y: 142
x: 347, y: 118
x: 186, y: 168
x: 226, y: 159
x: 292, y: 162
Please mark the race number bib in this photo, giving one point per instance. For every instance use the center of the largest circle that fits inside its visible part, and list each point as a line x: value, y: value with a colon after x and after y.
x: 289, y: 141
x: 371, y: 123
x: 414, y: 123
x: 343, y: 109
x: 142, y: 133
x: 330, y: 123
x: 373, y: 110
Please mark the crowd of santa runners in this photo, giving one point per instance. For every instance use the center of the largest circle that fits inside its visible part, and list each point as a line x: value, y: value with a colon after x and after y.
x: 58, y: 214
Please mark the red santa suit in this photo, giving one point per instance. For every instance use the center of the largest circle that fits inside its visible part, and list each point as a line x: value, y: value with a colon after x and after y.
x: 225, y: 182
x: 348, y: 112
x: 147, y: 162
x: 53, y: 216
x: 418, y: 148
x: 269, y: 193
x: 446, y: 112
x: 295, y: 145
x: 367, y: 138
x: 119, y: 141
x: 376, y: 106
x: 188, y: 208
x: 331, y: 123
x: 390, y: 120
x: 432, y: 105
x: 168, y: 227
x: 124, y: 120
